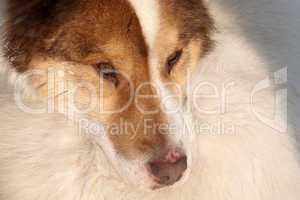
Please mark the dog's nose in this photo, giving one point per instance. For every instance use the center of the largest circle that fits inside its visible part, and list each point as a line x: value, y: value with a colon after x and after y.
x: 169, y: 169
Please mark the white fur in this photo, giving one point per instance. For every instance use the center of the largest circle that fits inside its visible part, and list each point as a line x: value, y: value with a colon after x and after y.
x: 148, y: 13
x: 255, y: 163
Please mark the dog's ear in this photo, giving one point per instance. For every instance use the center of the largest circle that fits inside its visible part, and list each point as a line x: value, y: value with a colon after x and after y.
x: 26, y: 24
x: 32, y: 8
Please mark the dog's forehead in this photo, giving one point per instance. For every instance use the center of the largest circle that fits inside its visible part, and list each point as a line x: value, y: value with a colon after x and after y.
x: 186, y: 18
x: 110, y: 28
x: 148, y: 12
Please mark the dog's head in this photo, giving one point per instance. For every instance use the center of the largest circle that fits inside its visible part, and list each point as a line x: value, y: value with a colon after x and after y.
x: 129, y: 62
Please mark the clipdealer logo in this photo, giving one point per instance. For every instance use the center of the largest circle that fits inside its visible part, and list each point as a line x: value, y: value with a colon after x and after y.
x: 278, y: 81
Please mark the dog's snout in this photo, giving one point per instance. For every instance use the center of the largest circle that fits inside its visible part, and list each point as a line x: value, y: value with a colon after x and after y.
x: 169, y: 169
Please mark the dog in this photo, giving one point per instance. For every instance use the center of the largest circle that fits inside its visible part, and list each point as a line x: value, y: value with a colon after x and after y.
x: 122, y: 68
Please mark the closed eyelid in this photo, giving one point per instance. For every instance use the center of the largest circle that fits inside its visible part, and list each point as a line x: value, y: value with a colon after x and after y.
x: 173, y: 60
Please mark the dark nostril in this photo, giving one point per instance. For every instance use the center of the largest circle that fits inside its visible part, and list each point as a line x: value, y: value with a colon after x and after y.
x: 154, y: 168
x: 167, y: 172
x: 164, y: 179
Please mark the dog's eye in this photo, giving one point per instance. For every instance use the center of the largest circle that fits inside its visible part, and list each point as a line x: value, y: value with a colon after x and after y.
x: 173, y: 59
x: 108, y: 72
